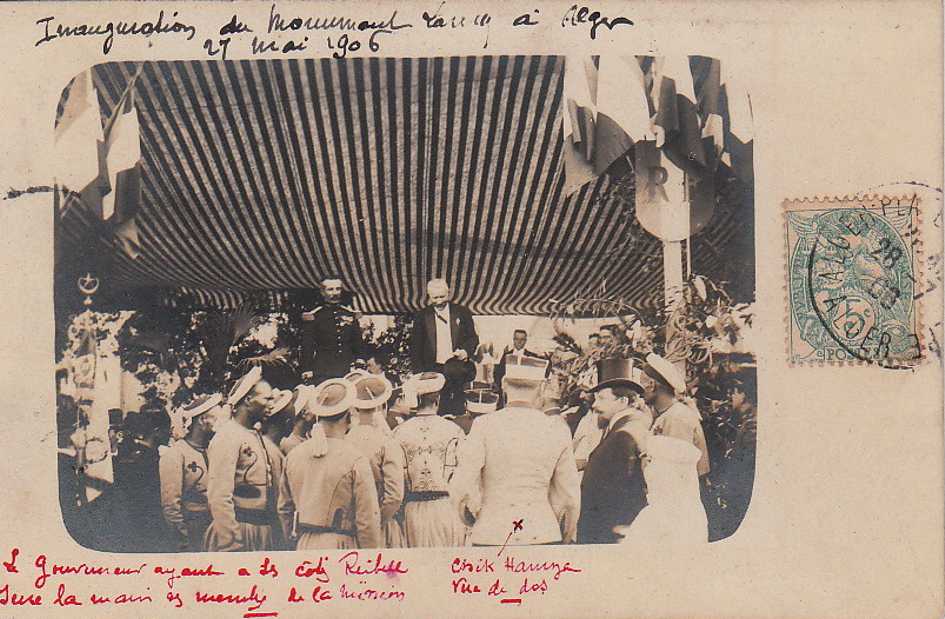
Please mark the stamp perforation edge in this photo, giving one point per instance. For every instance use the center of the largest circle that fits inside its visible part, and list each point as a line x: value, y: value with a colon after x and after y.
x: 916, y: 248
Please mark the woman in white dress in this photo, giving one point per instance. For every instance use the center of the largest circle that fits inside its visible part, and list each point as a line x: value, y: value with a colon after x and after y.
x: 674, y: 515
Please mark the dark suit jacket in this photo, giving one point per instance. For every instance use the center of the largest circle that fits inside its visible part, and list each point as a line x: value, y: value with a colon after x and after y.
x: 612, y: 490
x: 423, y: 343
x: 500, y: 367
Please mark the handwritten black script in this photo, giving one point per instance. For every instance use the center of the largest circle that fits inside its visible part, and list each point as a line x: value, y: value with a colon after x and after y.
x: 54, y: 30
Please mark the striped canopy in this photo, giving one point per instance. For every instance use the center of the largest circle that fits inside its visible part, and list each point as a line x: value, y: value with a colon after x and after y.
x: 266, y: 175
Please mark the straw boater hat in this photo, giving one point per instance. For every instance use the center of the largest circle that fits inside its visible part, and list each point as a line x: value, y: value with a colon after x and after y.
x: 427, y: 382
x: 330, y: 399
x: 371, y: 391
x: 201, y: 405
x: 481, y: 401
x: 355, y: 374
x: 182, y: 417
x: 282, y: 400
x: 302, y: 395
x: 615, y: 372
x: 417, y: 385
x: 665, y: 372
x: 244, y: 385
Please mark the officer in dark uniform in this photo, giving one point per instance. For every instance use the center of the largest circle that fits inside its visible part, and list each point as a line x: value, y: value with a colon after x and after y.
x: 331, y: 336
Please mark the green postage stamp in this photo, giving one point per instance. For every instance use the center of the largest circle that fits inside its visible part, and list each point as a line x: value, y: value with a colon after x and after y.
x: 852, y: 281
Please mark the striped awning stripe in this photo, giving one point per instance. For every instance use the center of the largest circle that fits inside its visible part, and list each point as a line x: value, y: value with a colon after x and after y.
x: 266, y: 175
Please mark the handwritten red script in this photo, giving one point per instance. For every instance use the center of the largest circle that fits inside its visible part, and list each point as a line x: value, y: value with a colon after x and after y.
x: 261, y: 587
x: 507, y: 578
x: 355, y: 576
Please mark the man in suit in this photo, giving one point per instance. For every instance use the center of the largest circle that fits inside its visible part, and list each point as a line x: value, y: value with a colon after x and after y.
x: 613, y: 490
x: 331, y: 336
x: 518, y: 350
x: 443, y: 331
x: 516, y: 481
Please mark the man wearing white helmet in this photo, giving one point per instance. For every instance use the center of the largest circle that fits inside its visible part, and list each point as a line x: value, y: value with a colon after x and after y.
x: 242, y: 487
x: 183, y: 473
x: 327, y: 497
x: 673, y: 417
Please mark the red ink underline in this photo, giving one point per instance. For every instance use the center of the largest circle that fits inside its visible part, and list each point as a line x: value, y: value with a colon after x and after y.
x: 511, y: 601
x: 251, y: 615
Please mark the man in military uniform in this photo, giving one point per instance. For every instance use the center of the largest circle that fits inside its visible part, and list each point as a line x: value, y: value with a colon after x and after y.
x: 183, y: 472
x: 673, y: 417
x: 327, y: 495
x: 517, y: 465
x: 331, y: 336
x: 242, y: 489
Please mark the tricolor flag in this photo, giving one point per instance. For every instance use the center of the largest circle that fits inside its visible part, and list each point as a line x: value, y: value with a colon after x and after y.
x: 677, y: 118
x: 740, y: 133
x: 123, y: 162
x: 623, y: 115
x: 123, y: 157
x: 80, y: 145
x: 710, y: 109
x: 578, y: 118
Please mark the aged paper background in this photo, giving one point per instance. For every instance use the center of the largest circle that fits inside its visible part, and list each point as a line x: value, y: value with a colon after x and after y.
x: 847, y: 513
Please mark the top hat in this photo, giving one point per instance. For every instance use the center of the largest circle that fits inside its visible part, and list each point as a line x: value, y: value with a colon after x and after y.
x: 614, y: 372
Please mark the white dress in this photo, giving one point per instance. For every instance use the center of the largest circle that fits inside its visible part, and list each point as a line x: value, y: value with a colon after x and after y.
x: 674, y: 515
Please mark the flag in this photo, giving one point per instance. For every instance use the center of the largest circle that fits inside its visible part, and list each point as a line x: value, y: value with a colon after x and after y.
x: 710, y: 108
x: 623, y: 115
x: 578, y: 117
x: 740, y: 133
x: 83, y: 360
x: 80, y: 145
x: 123, y: 158
x: 677, y: 118
x: 126, y: 234
x: 91, y: 440
x: 96, y: 451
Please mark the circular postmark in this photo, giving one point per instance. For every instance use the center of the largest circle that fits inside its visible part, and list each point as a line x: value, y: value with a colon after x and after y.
x: 853, y: 289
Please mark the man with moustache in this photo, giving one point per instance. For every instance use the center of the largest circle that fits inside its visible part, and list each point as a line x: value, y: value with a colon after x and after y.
x: 673, y: 417
x: 183, y: 472
x: 518, y: 350
x: 444, y: 341
x: 242, y: 489
x: 613, y: 490
x: 331, y: 336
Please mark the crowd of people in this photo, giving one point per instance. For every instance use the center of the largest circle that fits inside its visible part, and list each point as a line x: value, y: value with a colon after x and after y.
x: 349, y: 459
